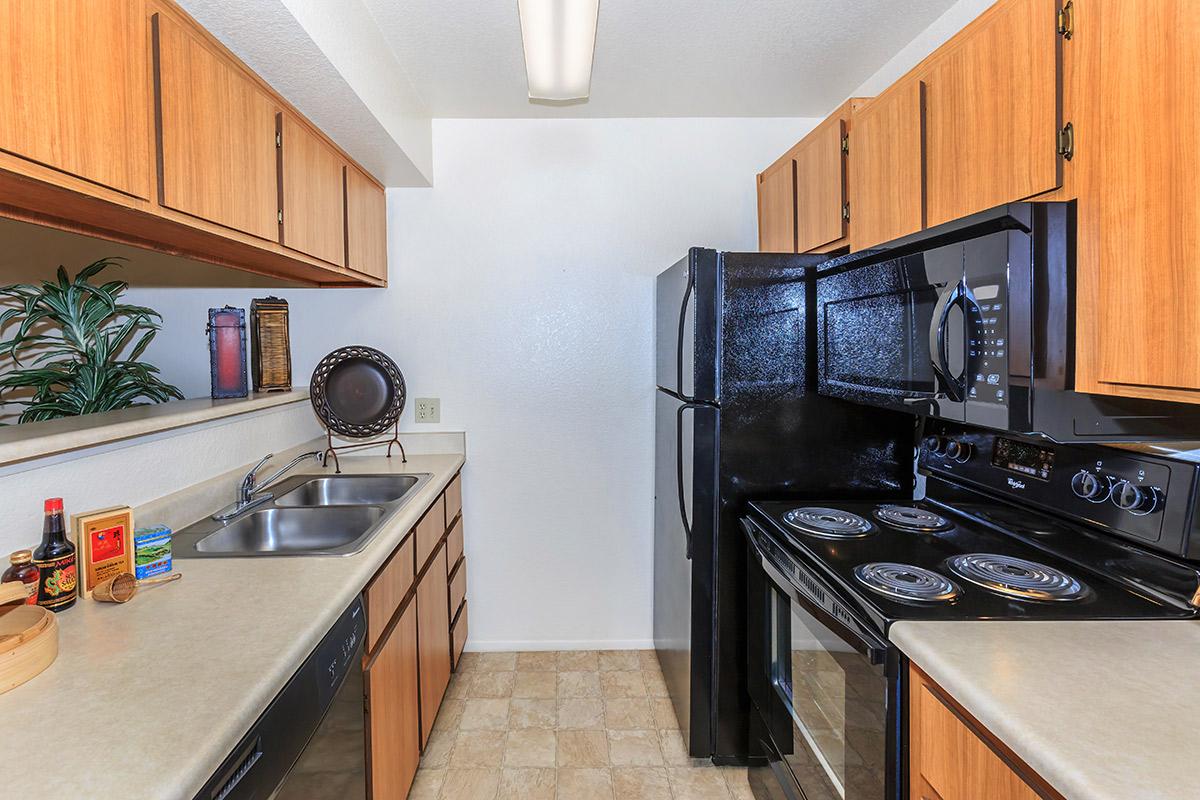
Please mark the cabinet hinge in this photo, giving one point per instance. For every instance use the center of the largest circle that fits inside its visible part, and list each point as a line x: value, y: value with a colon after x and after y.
x: 1066, y: 20
x: 846, y: 211
x: 1066, y: 141
x: 278, y: 139
x: 280, y: 217
x: 846, y: 144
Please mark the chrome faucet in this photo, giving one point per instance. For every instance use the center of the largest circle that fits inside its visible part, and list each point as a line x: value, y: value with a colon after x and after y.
x: 251, y: 493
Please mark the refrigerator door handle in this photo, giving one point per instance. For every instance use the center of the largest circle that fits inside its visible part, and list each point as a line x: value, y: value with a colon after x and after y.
x: 687, y: 298
x: 683, y: 516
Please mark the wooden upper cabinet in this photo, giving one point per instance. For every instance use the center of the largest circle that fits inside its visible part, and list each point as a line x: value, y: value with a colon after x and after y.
x: 777, y: 208
x: 1139, y: 217
x: 366, y: 225
x: 216, y: 130
x: 887, y: 180
x: 314, y: 217
x: 820, y: 163
x: 992, y: 117
x: 75, y: 89
x: 393, y: 695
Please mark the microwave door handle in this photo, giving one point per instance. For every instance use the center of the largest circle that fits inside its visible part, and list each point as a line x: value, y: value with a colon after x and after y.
x: 683, y: 517
x: 853, y: 633
x: 937, y: 342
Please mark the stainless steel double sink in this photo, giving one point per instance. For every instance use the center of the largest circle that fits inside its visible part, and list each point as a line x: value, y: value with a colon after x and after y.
x: 307, y: 515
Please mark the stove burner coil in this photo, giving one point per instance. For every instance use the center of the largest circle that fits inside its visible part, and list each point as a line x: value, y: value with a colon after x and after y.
x: 906, y: 582
x: 829, y: 523
x: 912, y: 519
x: 1016, y: 577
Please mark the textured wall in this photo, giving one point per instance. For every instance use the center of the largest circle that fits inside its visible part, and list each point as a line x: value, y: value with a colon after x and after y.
x: 136, y: 471
x: 522, y: 295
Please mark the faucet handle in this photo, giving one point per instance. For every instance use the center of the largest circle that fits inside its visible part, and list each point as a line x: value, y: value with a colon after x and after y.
x: 259, y: 465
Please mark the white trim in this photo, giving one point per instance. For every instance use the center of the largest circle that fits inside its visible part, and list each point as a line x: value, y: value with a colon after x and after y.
x: 473, y: 646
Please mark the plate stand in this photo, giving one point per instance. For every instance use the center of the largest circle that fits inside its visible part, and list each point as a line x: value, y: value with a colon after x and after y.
x: 332, y: 450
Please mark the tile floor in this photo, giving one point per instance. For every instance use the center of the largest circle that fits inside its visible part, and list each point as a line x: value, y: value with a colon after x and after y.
x: 572, y: 725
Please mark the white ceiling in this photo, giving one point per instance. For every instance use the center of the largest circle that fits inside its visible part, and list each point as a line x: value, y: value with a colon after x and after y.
x: 657, y: 58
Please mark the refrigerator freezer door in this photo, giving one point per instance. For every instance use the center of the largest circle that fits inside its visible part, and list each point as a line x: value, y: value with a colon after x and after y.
x: 685, y: 516
x: 686, y: 327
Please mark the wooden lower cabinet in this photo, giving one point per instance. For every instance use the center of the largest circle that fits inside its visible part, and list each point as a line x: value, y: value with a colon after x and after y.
x: 393, y: 728
x: 433, y: 636
x: 951, y: 757
x: 415, y: 637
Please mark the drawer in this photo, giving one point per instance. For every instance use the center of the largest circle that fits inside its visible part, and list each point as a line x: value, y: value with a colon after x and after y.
x: 453, y: 495
x: 458, y: 637
x: 454, y: 544
x: 458, y: 587
x: 430, y: 530
x: 387, y: 589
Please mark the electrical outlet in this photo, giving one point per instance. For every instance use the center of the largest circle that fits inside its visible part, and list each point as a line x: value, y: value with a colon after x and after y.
x: 428, y: 409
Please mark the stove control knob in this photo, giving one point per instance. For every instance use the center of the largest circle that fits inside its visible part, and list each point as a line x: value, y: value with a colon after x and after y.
x: 936, y: 445
x: 1089, y: 487
x: 1133, y: 498
x: 959, y: 451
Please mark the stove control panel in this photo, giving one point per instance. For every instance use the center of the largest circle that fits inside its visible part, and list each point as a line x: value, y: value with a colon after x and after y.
x: 1141, y: 497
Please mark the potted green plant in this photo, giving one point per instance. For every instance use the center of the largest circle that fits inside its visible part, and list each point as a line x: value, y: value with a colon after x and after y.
x: 75, y: 348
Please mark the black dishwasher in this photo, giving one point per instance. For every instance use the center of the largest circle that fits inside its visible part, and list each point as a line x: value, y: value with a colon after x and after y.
x: 310, y: 742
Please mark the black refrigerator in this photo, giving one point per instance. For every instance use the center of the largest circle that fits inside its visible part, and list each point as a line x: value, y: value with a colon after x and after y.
x: 737, y: 417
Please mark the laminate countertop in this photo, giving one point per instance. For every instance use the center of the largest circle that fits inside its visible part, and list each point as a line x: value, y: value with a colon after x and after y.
x: 147, y: 698
x: 1103, y: 710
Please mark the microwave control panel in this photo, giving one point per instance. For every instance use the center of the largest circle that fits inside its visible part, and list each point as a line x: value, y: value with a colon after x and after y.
x: 1139, y: 497
x: 987, y: 348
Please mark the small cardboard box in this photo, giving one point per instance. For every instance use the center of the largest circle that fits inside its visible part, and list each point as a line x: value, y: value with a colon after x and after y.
x: 152, y: 551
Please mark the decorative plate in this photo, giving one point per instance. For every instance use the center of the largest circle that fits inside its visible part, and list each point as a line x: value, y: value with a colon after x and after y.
x: 357, y: 391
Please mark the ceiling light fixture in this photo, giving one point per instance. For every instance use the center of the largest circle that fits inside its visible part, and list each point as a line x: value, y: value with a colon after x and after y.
x: 559, y: 38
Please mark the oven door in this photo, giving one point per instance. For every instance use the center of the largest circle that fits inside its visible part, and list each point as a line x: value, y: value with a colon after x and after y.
x: 892, y: 333
x: 826, y: 687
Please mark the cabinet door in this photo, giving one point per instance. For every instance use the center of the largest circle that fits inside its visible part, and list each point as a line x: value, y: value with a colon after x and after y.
x: 433, y: 634
x: 821, y: 183
x: 313, y: 194
x: 992, y: 113
x: 887, y: 181
x: 393, y: 729
x: 76, y: 91
x: 366, y: 225
x: 1139, y: 219
x: 216, y: 130
x: 777, y: 208
x: 949, y: 760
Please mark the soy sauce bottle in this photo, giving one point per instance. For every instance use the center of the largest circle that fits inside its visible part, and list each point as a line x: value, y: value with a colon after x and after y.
x: 58, y: 577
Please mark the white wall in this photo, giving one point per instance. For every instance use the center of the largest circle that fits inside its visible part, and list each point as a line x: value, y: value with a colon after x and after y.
x: 136, y: 471
x: 522, y: 291
x: 939, y: 31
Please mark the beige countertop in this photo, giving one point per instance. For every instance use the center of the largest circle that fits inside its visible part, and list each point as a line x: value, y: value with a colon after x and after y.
x: 1103, y: 710
x: 146, y: 699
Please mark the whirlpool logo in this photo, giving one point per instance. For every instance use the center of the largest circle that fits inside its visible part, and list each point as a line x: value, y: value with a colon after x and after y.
x: 1016, y: 484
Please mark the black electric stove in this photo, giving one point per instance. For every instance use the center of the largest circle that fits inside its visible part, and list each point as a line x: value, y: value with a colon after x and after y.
x: 1007, y: 528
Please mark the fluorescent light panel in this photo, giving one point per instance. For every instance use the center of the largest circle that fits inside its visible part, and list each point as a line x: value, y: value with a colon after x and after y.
x: 559, y: 38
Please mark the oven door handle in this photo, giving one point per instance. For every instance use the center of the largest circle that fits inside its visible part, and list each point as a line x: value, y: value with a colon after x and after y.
x: 954, y: 388
x: 815, y: 595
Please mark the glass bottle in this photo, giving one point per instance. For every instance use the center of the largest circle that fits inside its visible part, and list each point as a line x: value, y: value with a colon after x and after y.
x: 58, y: 578
x: 22, y: 570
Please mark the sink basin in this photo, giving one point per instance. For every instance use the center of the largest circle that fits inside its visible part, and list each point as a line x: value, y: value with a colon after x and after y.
x: 293, y: 531
x: 348, y: 490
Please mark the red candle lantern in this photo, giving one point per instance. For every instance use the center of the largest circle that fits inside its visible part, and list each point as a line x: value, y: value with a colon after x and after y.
x: 227, y: 351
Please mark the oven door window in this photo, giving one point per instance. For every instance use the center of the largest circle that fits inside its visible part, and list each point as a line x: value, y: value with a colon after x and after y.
x: 837, y: 703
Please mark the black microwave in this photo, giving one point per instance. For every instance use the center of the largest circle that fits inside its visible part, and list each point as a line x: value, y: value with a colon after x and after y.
x: 973, y: 321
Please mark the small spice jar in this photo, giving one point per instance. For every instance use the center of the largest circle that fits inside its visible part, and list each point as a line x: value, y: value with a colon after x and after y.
x: 23, y: 571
